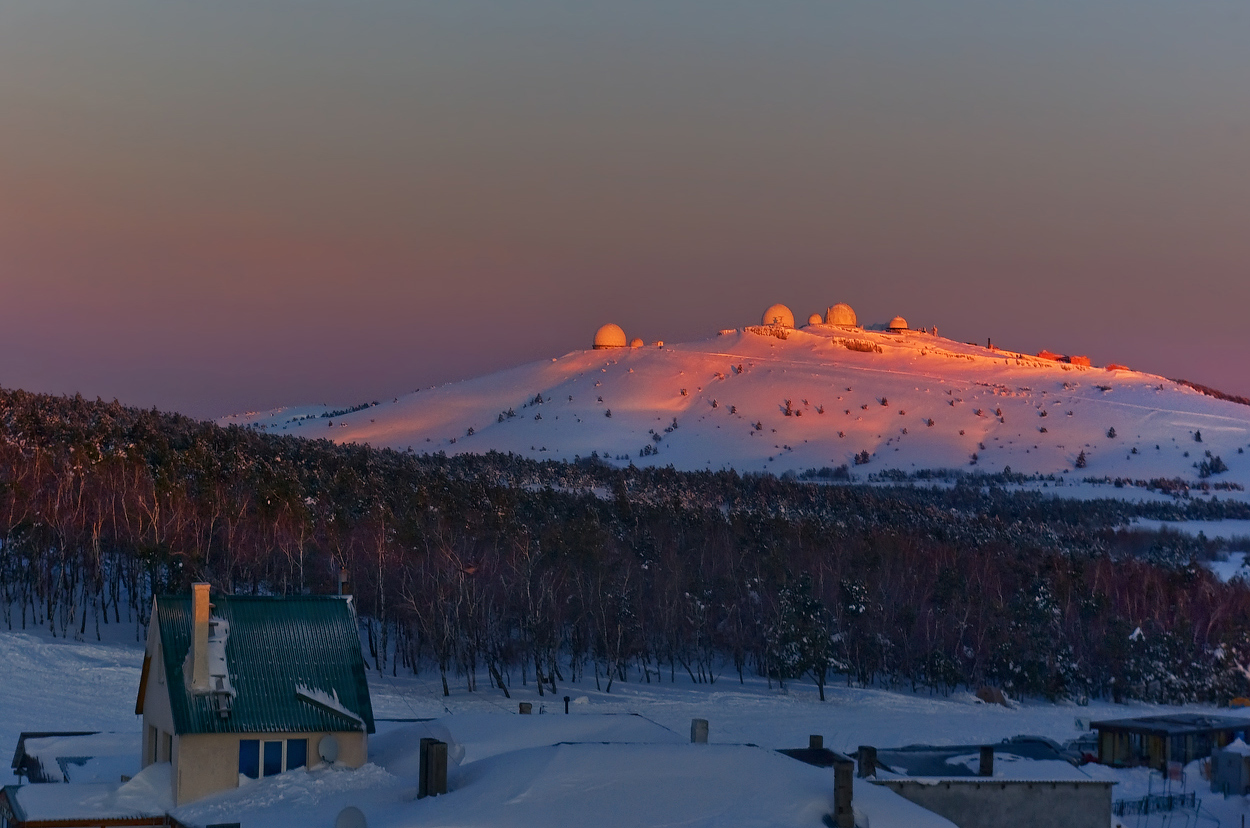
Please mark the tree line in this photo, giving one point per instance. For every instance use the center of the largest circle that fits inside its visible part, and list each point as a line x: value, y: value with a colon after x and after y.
x: 550, y: 573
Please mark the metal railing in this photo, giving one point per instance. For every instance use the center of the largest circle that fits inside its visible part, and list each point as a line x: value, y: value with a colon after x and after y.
x: 1153, y: 804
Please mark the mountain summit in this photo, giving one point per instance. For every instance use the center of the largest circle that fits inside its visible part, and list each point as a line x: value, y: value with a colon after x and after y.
x: 775, y: 398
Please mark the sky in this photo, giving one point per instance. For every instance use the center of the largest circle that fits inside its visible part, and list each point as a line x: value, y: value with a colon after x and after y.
x: 232, y: 206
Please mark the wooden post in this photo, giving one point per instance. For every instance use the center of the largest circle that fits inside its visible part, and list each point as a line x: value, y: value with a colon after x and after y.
x: 843, y: 790
x: 423, y: 789
x: 867, y: 761
x: 436, y: 776
x: 987, y: 761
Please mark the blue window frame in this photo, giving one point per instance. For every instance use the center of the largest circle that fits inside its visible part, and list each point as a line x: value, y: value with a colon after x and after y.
x: 273, y: 758
x: 249, y: 758
x: 296, y: 753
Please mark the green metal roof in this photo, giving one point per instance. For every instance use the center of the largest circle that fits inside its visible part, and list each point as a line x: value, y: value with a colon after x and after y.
x: 274, y: 645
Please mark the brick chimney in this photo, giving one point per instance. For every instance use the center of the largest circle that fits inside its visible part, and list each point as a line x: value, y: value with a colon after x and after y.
x: 200, y: 611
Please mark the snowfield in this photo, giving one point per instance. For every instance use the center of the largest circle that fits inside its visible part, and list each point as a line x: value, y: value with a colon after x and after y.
x: 819, y: 397
x: 618, y: 759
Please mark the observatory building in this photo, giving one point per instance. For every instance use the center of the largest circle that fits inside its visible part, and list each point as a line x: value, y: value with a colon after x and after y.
x: 610, y: 336
x: 842, y: 315
x: 898, y: 323
x: 779, y: 315
x: 815, y: 319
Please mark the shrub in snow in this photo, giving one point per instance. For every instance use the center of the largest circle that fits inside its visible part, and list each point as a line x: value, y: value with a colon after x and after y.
x: 1111, y: 433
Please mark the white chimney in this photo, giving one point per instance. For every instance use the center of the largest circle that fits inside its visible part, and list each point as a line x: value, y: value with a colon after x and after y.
x: 200, y: 611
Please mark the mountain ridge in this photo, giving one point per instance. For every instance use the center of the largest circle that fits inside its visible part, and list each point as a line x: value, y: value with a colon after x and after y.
x: 776, y: 399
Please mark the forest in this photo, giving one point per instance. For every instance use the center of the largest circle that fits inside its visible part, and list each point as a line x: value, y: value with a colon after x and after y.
x: 519, y: 572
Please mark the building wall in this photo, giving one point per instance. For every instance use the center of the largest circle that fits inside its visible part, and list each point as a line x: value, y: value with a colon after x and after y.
x: 205, y: 763
x: 158, y: 715
x: 1016, y: 804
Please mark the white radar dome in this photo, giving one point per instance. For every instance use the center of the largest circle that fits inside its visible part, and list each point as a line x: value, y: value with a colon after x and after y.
x: 780, y: 316
x: 842, y: 315
x: 609, y: 336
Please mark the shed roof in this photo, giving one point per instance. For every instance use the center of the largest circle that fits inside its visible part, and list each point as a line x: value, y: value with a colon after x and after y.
x: 1174, y: 725
x: 275, y: 645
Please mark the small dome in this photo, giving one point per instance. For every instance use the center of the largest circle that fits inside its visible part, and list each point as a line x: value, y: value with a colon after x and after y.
x: 635, y: 343
x: 609, y: 336
x: 815, y: 319
x: 898, y: 323
x: 779, y: 315
x: 842, y: 315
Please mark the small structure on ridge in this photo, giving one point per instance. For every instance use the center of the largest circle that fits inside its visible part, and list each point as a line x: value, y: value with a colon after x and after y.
x: 779, y: 315
x: 898, y: 323
x: 609, y: 336
x: 842, y: 315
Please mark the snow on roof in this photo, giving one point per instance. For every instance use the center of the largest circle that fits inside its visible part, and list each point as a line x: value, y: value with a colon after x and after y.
x: 607, y: 785
x: 148, y: 794
x: 1237, y: 746
x: 1008, y: 767
x: 95, y: 757
x: 474, y: 736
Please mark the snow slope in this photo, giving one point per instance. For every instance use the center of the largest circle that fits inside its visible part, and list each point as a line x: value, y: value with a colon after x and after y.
x: 912, y: 400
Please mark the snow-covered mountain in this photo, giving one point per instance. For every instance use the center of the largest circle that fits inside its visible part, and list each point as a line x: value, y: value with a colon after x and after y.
x: 779, y: 399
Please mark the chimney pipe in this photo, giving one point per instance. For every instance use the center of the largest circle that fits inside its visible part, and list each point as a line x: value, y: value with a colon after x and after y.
x: 987, y: 761
x: 843, y: 788
x: 201, y: 609
x: 815, y: 741
x: 867, y: 761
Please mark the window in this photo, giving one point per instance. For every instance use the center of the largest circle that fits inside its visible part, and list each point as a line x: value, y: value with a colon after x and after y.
x: 296, y: 753
x: 273, y: 758
x: 249, y: 758
x: 167, y: 747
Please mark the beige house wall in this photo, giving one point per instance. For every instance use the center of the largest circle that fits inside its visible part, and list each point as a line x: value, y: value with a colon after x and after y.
x: 157, y: 712
x: 205, y: 763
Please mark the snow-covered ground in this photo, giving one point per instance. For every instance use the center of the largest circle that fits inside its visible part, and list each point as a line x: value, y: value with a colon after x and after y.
x: 912, y: 400
x: 553, y: 769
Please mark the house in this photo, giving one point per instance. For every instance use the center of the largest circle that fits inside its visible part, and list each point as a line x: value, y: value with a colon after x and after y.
x: 1157, y: 740
x: 250, y: 686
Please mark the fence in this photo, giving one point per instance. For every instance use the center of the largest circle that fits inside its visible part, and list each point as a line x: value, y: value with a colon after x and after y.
x: 1156, y: 803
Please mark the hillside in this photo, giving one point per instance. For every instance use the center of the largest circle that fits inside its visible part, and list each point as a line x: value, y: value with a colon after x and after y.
x: 778, y: 400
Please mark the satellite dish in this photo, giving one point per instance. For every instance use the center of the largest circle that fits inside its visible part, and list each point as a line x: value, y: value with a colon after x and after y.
x: 328, y: 750
x: 349, y: 817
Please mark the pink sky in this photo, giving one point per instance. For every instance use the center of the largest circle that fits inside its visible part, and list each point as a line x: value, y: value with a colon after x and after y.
x: 224, y: 207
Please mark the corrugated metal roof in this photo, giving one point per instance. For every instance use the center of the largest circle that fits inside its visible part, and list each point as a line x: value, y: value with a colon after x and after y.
x: 274, y: 645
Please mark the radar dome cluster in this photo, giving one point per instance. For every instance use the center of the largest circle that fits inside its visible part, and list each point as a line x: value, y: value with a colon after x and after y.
x: 840, y: 315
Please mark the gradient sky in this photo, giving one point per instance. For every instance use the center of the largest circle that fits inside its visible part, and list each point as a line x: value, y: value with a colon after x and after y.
x: 233, y: 205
